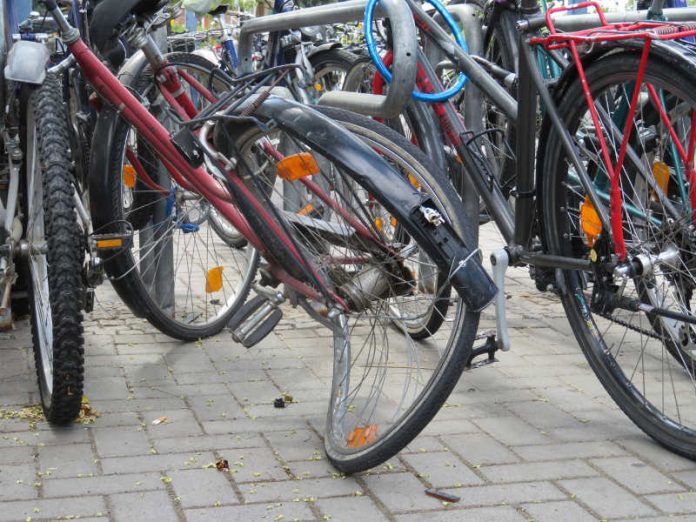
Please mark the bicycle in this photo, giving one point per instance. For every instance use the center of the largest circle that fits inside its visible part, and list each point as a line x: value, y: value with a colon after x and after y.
x: 604, y: 218
x: 321, y: 62
x: 47, y: 267
x: 347, y: 267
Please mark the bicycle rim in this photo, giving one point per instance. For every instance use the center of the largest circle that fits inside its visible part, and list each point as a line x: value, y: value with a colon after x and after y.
x: 646, y: 361
x: 187, y: 269
x: 386, y: 385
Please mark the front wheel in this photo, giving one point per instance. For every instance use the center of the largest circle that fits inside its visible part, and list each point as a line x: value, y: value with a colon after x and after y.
x: 644, y: 360
x: 387, y: 382
x: 56, y: 255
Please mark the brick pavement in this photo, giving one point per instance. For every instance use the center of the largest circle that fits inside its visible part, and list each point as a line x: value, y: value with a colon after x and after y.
x: 531, y: 437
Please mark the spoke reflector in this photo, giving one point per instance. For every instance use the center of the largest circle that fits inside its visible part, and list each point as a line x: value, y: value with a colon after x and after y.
x: 661, y: 172
x: 362, y: 436
x: 304, y: 211
x: 297, y: 166
x: 213, y: 282
x: 591, y: 225
x: 129, y: 176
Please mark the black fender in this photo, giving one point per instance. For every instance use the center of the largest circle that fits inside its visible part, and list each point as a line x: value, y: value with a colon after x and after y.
x: 103, y: 141
x: 400, y: 198
x: 323, y: 48
x: 100, y: 159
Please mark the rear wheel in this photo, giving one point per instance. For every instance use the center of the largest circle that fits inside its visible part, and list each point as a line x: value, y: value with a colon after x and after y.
x: 56, y: 255
x: 187, y: 270
x: 644, y: 360
x: 330, y: 69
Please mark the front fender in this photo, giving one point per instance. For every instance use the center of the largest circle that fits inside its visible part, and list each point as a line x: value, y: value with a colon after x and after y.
x: 409, y: 206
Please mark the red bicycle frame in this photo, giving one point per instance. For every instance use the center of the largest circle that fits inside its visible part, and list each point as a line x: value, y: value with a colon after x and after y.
x: 194, y: 179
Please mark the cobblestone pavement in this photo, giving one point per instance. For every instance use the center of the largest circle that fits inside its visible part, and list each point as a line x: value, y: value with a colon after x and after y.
x: 531, y: 437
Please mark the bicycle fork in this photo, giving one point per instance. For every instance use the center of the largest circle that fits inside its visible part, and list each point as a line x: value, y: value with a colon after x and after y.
x: 12, y: 229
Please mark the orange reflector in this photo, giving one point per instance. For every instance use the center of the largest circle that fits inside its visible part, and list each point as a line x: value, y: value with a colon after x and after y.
x: 304, y: 211
x: 361, y: 436
x: 297, y: 166
x: 661, y: 172
x: 109, y: 243
x: 394, y: 222
x: 213, y: 282
x: 318, y: 87
x: 129, y: 176
x: 378, y: 224
x: 589, y: 219
x: 412, y: 179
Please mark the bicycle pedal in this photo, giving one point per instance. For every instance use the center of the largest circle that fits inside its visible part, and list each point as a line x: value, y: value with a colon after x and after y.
x: 115, y: 241
x: 254, y: 321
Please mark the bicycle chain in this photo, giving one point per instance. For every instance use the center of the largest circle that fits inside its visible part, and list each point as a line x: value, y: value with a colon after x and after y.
x: 630, y: 326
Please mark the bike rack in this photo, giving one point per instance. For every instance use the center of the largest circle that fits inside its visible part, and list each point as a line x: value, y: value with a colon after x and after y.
x: 467, y: 16
x: 405, y: 50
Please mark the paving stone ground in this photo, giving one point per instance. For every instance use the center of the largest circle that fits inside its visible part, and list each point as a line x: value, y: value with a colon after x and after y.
x: 531, y: 437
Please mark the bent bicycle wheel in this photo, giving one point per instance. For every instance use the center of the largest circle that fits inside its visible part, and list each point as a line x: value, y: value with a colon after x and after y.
x: 387, y: 385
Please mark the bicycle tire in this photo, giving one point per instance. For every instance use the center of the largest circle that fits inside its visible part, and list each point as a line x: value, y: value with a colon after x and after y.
x: 629, y: 372
x: 332, y: 64
x: 498, y: 50
x: 183, y: 312
x: 56, y: 288
x: 448, y: 356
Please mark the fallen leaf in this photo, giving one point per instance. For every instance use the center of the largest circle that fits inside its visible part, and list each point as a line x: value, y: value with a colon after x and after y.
x: 222, y: 465
x: 159, y: 420
x: 87, y: 414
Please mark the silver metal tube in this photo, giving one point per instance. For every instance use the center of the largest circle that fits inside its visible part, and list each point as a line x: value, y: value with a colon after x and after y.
x: 405, y: 49
x: 579, y: 22
x: 12, y: 195
x: 326, y: 14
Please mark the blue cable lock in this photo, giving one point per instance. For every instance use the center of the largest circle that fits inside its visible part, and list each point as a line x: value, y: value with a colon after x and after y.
x: 377, y: 60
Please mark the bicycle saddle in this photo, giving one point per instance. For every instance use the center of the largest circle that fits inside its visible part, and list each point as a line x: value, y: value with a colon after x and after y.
x: 109, y: 15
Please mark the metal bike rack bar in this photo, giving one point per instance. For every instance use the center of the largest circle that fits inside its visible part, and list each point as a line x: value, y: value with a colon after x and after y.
x: 467, y: 16
x: 405, y: 50
x: 586, y: 21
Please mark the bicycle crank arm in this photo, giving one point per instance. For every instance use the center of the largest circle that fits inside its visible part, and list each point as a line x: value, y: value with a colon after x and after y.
x: 500, y: 259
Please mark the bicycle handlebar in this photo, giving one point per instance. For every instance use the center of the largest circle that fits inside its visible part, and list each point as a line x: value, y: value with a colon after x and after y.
x: 405, y: 50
